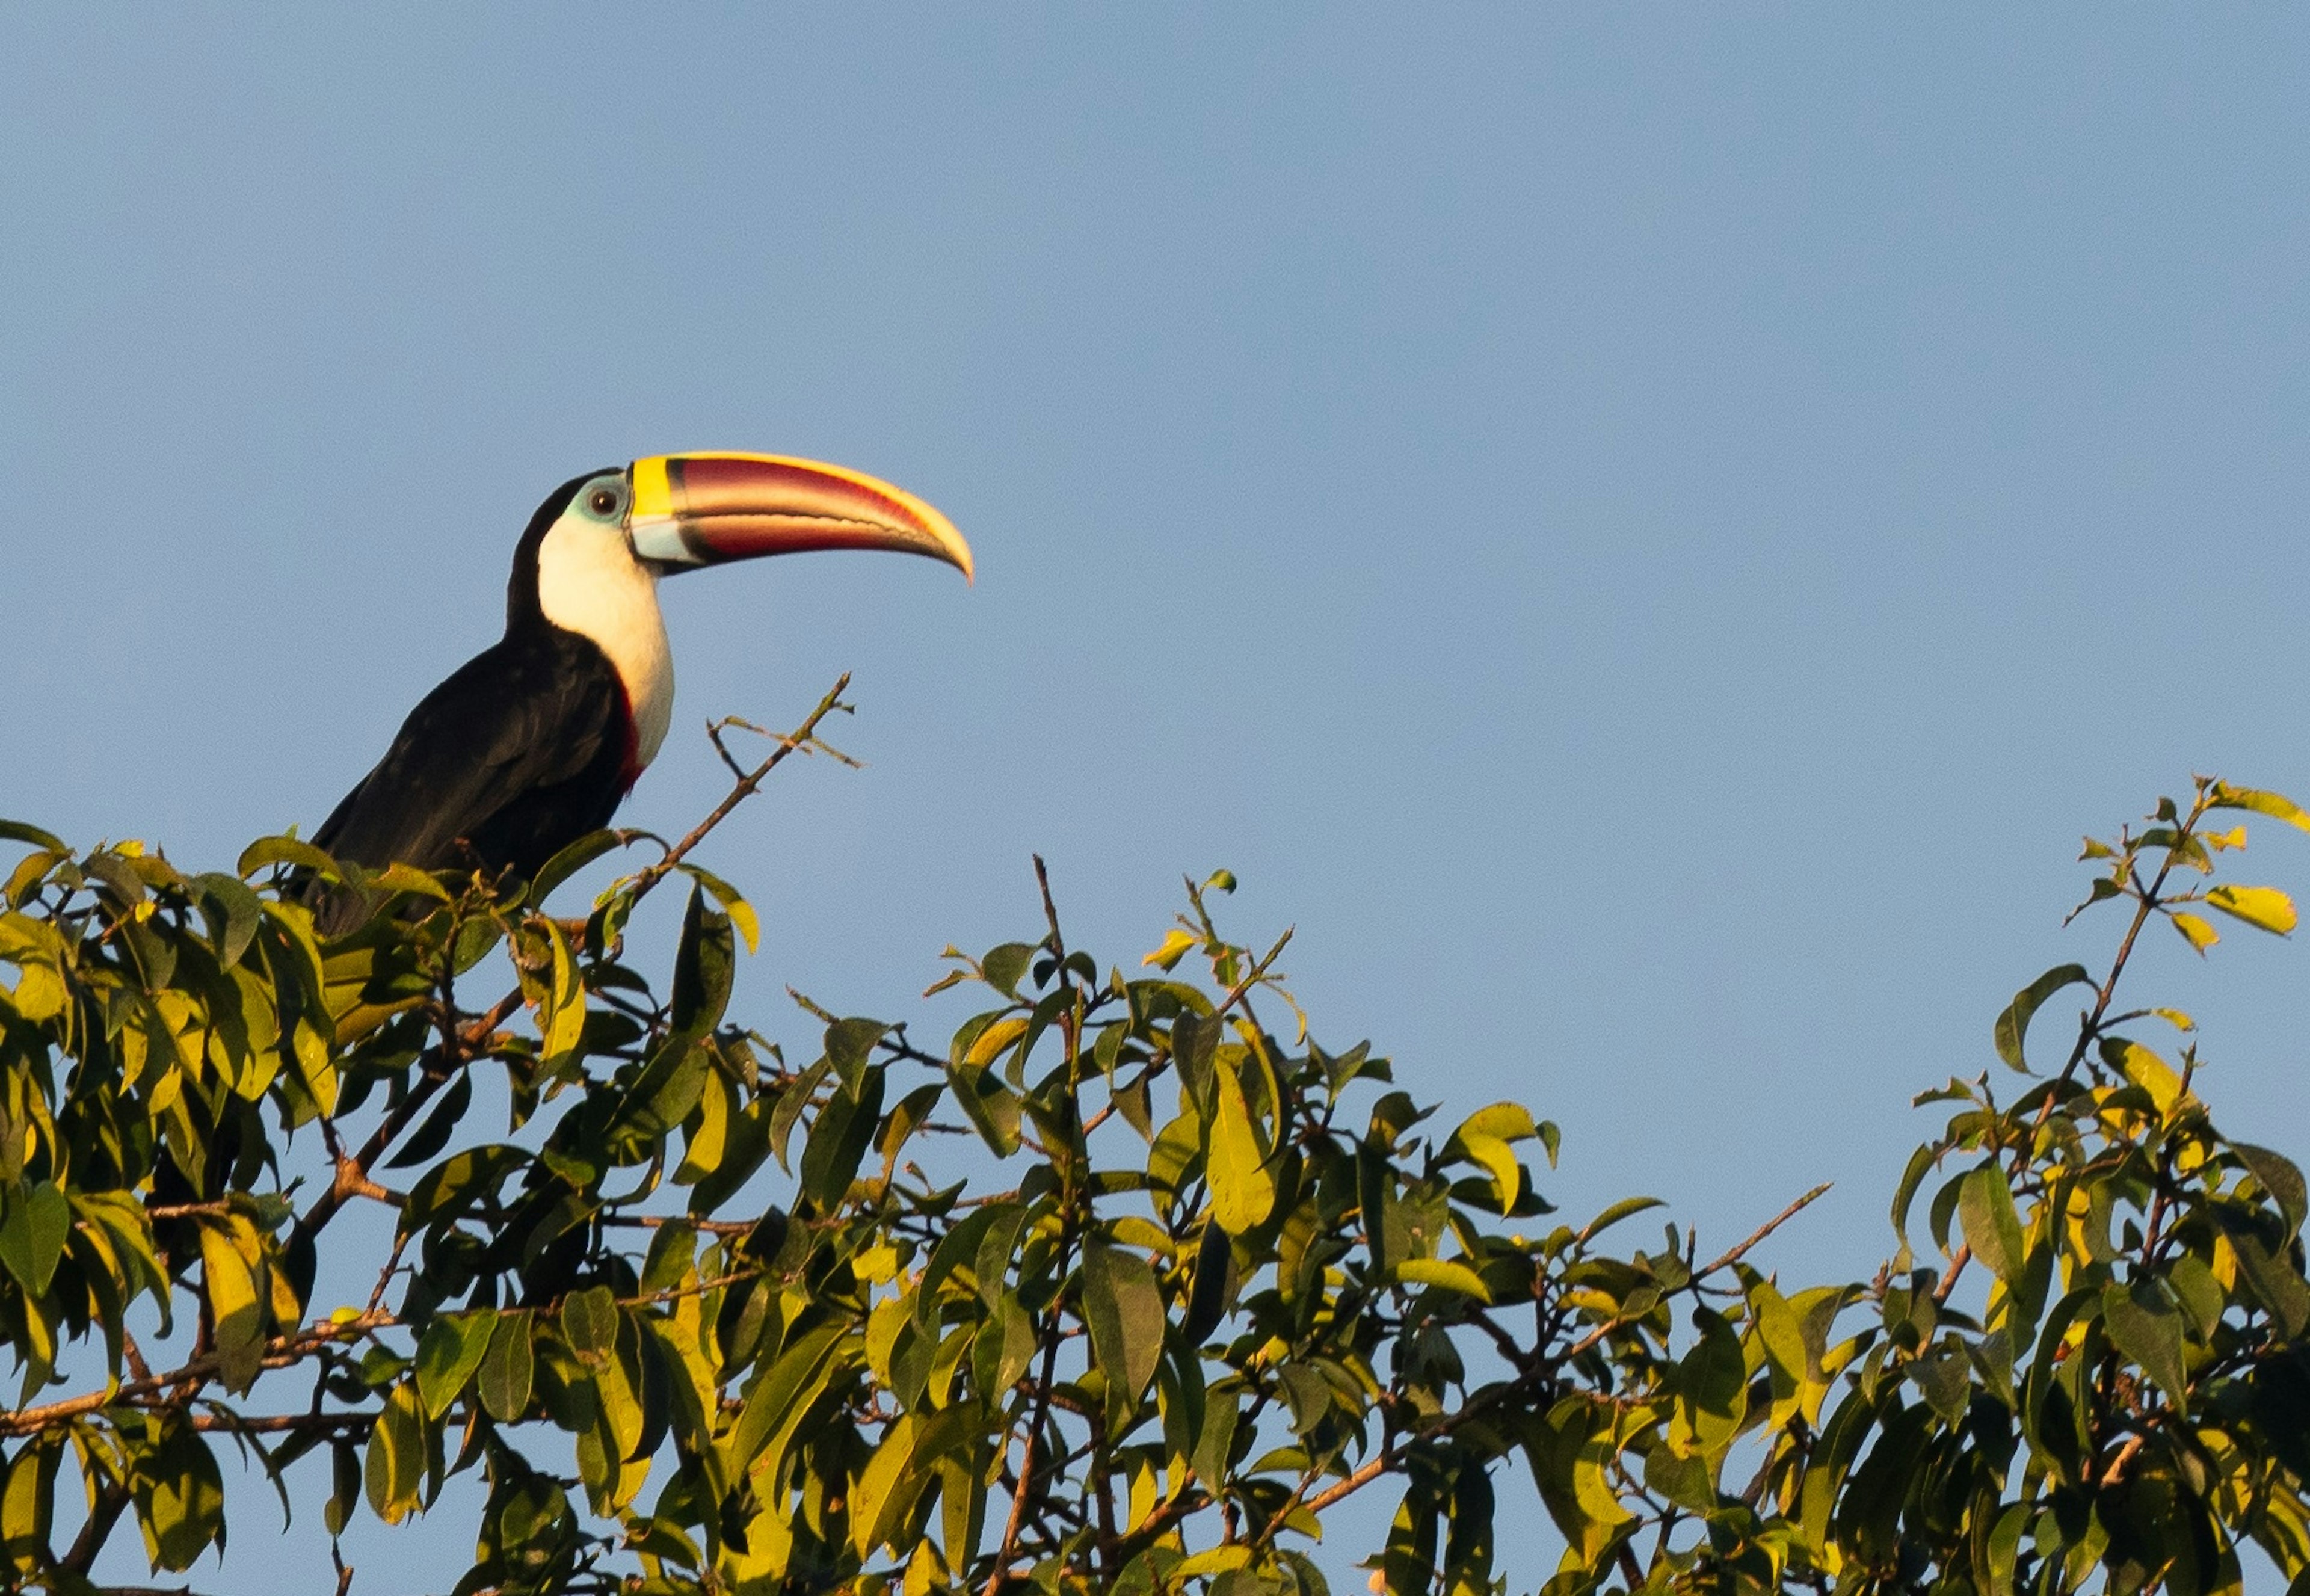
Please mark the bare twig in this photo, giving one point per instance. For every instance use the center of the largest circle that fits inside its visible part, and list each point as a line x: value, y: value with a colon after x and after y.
x: 1723, y: 1262
x: 804, y: 737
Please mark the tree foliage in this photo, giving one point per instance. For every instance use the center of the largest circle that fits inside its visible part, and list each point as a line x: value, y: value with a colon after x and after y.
x: 1121, y: 1287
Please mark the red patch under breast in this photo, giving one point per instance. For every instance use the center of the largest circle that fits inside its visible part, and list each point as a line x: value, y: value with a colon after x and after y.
x: 628, y: 732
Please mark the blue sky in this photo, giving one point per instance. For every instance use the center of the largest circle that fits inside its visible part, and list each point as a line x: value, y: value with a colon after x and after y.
x: 1647, y: 534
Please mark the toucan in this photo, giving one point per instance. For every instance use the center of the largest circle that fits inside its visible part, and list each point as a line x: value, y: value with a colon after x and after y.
x: 535, y: 741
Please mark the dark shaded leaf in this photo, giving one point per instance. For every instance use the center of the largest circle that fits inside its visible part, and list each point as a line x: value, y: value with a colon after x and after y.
x: 434, y: 1135
x: 2013, y: 1025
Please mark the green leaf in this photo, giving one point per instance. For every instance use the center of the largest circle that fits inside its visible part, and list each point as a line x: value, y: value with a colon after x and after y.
x: 2272, y: 1277
x: 781, y: 1397
x: 1497, y: 1161
x: 1626, y: 1207
x: 32, y: 1237
x: 234, y: 913
x: 395, y: 1464
x: 179, y: 1496
x: 454, y: 1186
x: 506, y: 1370
x: 1004, y: 965
x: 1175, y: 944
x: 1123, y: 1308
x: 1207, y: 1295
x: 287, y: 850
x: 590, y: 1319
x: 28, y: 1504
x: 1215, y: 1441
x: 18, y: 831
x: 1439, y: 1271
x: 561, y: 1017
x: 2013, y: 1025
x: 573, y: 857
x: 705, y: 962
x: 2278, y: 1177
x: 839, y: 1140
x: 1712, y: 1383
x: 850, y: 1047
x: 1992, y: 1228
x: 2265, y: 908
x: 992, y: 1107
x: 2146, y: 1328
x: 1243, y: 1193
x: 1507, y: 1122
x: 448, y: 1354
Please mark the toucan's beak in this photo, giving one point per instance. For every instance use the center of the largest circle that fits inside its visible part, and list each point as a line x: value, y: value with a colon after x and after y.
x: 703, y: 509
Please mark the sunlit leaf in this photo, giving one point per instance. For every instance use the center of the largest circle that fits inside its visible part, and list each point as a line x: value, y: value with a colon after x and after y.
x: 734, y: 902
x: 1243, y: 1193
x: 448, y: 1354
x: 2265, y: 908
x: 2274, y: 805
x: 2196, y: 930
x: 2146, y: 1070
x: 1450, y: 1276
x: 1176, y: 946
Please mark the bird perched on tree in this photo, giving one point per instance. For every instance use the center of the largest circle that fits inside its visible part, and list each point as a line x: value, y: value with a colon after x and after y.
x: 532, y: 743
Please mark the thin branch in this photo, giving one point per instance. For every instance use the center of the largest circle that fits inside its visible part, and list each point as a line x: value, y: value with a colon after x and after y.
x: 804, y: 737
x: 1050, y: 911
x: 1723, y: 1262
x: 351, y: 1179
x: 276, y: 1423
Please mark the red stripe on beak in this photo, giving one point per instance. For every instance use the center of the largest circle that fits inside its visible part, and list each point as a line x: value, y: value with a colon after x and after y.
x: 747, y: 506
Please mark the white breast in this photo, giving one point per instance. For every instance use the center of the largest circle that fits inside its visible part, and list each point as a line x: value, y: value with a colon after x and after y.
x: 588, y: 582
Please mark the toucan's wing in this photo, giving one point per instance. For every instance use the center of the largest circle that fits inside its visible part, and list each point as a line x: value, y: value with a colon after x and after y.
x: 508, y: 722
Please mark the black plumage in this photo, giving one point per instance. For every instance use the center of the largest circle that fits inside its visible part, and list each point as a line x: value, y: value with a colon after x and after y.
x: 526, y: 747
x: 532, y: 743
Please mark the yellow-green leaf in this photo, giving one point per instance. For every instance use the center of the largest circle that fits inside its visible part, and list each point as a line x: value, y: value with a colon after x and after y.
x: 2146, y: 1070
x: 1173, y: 949
x: 2276, y: 805
x: 876, y: 1485
x: 233, y: 1303
x: 2195, y: 929
x: 1242, y: 1192
x: 2265, y: 908
x: 1498, y: 1162
x: 563, y: 1019
x: 450, y: 1350
x: 1439, y: 1271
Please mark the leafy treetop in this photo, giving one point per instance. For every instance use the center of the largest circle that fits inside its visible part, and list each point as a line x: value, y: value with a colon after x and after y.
x: 1121, y: 1288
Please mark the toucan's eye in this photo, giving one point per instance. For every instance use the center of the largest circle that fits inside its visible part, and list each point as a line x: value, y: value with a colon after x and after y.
x: 602, y: 501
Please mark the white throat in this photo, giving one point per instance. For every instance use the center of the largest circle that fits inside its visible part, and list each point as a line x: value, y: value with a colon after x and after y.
x: 588, y: 582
